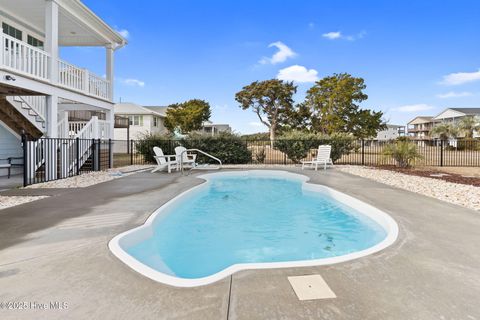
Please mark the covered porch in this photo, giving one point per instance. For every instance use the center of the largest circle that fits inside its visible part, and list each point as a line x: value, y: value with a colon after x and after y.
x: 40, y: 80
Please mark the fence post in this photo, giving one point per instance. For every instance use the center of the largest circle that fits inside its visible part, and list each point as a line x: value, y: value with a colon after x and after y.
x: 131, y: 152
x: 25, y: 160
x: 363, y: 152
x: 94, y: 155
x: 77, y: 151
x: 441, y: 153
x: 110, y: 154
x: 99, y: 154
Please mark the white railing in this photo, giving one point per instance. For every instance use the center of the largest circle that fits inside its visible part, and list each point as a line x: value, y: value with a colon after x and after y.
x: 75, y: 127
x: 98, y: 86
x: 71, y: 76
x: 24, y: 58
x: 37, y: 103
x: 104, y: 129
x: 21, y: 57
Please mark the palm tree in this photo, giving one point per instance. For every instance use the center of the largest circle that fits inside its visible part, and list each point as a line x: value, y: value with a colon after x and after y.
x: 403, y: 152
x: 467, y: 125
x: 445, y: 131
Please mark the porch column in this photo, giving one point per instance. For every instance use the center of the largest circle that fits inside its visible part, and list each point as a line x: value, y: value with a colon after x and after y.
x: 110, y: 117
x: 109, y: 69
x: 52, y: 116
x: 51, y: 38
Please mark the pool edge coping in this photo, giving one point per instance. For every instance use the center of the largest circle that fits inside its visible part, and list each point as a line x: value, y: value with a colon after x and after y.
x: 377, y: 215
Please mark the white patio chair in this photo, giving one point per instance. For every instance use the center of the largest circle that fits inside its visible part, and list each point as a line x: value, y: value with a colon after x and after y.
x: 323, y: 158
x: 164, y: 161
x: 183, y: 158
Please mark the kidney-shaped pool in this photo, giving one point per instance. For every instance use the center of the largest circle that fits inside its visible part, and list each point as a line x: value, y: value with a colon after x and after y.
x: 249, y: 220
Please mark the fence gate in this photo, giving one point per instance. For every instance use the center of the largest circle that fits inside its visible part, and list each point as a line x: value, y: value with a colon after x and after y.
x: 49, y: 159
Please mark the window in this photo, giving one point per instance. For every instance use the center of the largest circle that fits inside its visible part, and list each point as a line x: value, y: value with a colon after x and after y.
x: 135, y: 120
x: 34, y: 42
x: 11, y: 31
x: 155, y: 121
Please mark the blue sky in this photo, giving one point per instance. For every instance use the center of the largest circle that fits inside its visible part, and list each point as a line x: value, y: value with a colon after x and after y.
x: 417, y: 57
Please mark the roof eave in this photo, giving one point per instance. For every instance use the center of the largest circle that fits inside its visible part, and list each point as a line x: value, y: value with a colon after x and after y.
x: 94, y: 22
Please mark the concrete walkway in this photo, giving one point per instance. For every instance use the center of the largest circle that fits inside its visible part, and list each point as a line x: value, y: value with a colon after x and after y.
x: 55, y: 250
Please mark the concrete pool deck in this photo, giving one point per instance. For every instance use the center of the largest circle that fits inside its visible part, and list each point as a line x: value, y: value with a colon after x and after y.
x: 55, y: 250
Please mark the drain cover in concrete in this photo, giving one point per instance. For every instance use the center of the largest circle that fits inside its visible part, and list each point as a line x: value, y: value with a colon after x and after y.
x: 311, y: 287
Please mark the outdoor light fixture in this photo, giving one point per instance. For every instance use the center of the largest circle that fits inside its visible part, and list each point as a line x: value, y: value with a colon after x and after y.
x: 9, y: 78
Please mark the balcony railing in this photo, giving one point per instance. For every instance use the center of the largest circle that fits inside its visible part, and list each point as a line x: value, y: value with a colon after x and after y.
x: 20, y: 57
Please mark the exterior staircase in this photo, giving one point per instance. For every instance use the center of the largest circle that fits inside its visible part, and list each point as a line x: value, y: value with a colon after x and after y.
x: 24, y: 115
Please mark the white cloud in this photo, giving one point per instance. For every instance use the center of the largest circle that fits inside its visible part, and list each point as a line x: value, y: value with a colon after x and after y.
x: 458, y: 78
x: 124, y: 33
x: 298, y: 74
x: 283, y: 53
x: 414, y: 108
x: 133, y: 82
x: 255, y: 124
x: 453, y: 94
x: 332, y: 35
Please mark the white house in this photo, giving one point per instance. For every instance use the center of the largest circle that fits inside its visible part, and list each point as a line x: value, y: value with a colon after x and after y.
x: 37, y: 87
x: 150, y: 120
x: 142, y: 120
x: 215, y: 128
x: 453, y: 115
x: 419, y: 128
x: 391, y: 132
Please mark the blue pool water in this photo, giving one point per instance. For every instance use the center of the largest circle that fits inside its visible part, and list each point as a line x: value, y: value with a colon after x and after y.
x: 248, y: 219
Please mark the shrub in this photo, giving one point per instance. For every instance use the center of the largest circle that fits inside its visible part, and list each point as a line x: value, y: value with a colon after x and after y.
x: 297, y: 144
x: 403, y: 152
x: 145, y: 144
x: 228, y: 147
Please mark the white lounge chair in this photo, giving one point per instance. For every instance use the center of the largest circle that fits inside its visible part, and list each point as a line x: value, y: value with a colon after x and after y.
x: 164, y: 161
x: 323, y: 158
x: 183, y: 158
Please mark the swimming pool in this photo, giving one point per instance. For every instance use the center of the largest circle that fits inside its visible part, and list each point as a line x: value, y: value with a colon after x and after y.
x: 249, y: 220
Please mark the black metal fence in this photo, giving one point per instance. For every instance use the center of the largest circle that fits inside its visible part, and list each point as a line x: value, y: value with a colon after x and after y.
x: 458, y: 153
x: 49, y: 159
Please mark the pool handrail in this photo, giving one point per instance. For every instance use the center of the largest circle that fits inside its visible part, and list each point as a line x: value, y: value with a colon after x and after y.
x: 202, y: 152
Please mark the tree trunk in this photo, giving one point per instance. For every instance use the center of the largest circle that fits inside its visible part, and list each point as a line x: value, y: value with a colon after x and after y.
x: 273, y: 128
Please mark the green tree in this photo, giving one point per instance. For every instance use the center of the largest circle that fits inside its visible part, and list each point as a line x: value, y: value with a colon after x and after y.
x: 271, y: 100
x: 187, y: 116
x: 296, y: 118
x: 334, y: 104
x: 467, y: 125
x: 445, y: 131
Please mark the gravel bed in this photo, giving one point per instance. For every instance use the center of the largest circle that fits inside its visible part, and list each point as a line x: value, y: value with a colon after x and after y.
x: 459, y: 194
x: 91, y: 178
x: 11, y: 201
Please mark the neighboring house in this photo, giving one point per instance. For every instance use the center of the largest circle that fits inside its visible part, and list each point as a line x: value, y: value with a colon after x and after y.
x: 151, y: 119
x: 419, y: 128
x: 215, y: 128
x: 38, y: 89
x: 392, y: 132
x: 453, y: 115
x: 142, y: 120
